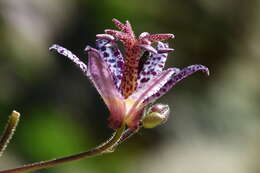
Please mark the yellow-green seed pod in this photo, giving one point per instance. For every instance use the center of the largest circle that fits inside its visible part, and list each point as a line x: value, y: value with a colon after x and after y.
x: 156, y: 115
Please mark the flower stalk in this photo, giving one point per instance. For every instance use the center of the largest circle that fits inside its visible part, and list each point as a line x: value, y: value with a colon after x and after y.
x: 102, y: 149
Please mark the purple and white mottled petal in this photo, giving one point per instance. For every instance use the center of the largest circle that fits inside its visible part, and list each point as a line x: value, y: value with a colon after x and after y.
x: 65, y: 52
x: 153, y: 65
x: 101, y: 77
x: 175, y: 79
x: 176, y: 70
x: 113, y: 57
x: 151, y: 87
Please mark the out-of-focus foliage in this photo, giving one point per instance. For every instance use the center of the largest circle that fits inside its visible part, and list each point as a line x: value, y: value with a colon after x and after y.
x: 214, y: 121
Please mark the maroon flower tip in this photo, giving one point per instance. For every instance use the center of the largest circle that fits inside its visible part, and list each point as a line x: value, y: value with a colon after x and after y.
x: 120, y: 25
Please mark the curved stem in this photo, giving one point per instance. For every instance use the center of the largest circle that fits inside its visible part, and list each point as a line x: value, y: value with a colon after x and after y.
x: 94, y: 152
x: 9, y: 131
x: 127, y: 134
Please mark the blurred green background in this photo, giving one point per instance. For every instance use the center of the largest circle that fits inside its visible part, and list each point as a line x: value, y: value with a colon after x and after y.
x: 214, y: 123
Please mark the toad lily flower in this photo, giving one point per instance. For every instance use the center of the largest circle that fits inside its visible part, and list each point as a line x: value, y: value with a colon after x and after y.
x: 125, y: 84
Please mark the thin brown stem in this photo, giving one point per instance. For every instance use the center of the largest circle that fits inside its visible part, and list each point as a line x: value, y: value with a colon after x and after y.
x: 102, y: 149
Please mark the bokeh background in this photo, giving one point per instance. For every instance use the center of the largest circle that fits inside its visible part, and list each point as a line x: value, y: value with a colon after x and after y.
x: 214, y: 123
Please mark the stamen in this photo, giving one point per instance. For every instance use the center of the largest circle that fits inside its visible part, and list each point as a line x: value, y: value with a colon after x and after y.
x: 134, y: 49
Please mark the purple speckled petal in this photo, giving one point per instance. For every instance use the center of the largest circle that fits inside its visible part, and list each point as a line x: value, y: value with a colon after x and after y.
x: 153, y: 65
x: 102, y: 79
x: 113, y: 57
x: 175, y: 79
x: 138, y: 97
x: 65, y: 52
